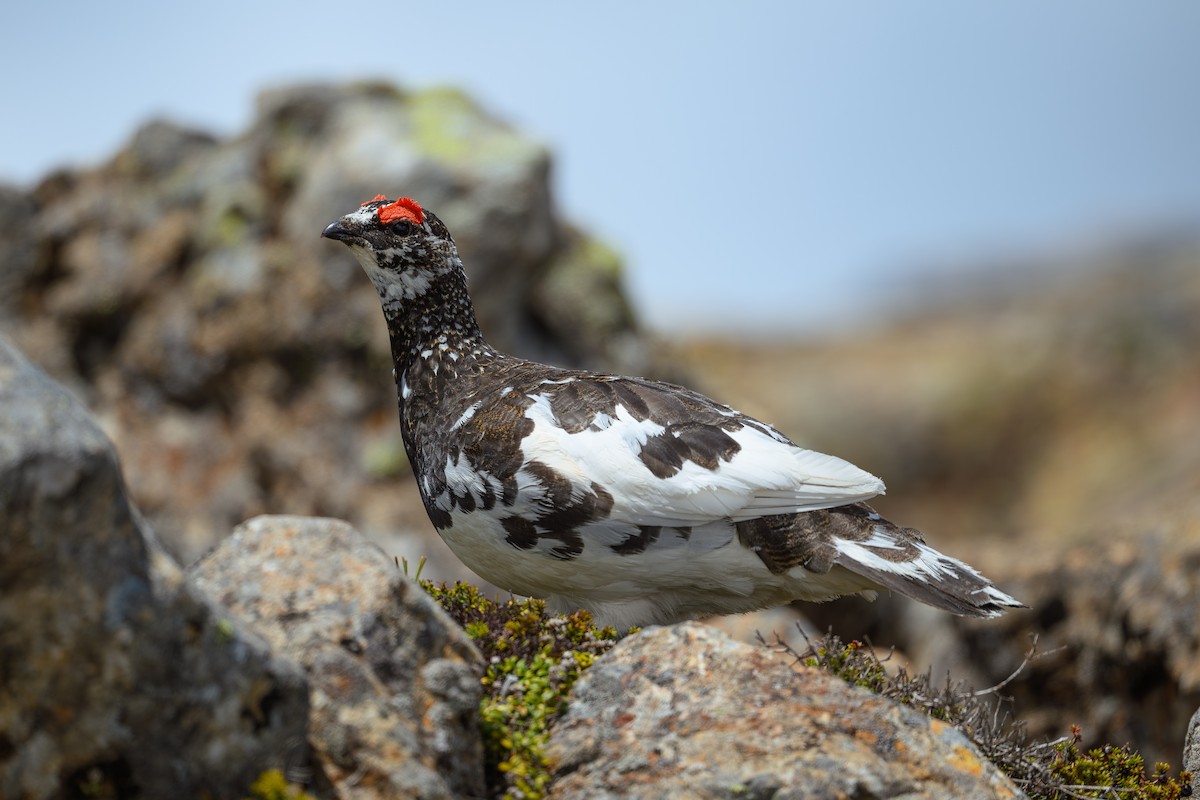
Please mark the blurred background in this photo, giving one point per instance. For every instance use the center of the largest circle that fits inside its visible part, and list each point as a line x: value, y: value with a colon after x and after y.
x: 954, y: 244
x: 786, y: 165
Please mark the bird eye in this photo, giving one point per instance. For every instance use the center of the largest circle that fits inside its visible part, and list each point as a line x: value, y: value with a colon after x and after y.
x: 403, y: 227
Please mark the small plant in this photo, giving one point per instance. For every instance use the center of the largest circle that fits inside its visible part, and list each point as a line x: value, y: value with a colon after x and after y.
x: 402, y: 564
x: 272, y: 785
x: 1045, y: 770
x: 533, y: 659
x: 1112, y: 772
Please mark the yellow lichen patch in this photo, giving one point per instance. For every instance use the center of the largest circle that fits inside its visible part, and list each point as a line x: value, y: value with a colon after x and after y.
x: 965, y: 760
x: 866, y: 737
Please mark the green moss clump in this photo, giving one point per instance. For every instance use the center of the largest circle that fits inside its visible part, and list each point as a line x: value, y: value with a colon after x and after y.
x: 272, y: 785
x: 851, y: 662
x: 533, y: 660
x: 1045, y: 770
x: 1111, y: 771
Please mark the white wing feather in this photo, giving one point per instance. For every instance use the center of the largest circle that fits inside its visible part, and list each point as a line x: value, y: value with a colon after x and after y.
x: 768, y: 475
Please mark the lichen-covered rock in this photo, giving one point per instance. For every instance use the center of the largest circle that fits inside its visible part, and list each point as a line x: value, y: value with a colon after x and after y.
x: 395, y: 683
x: 118, y: 678
x: 687, y: 712
x: 239, y: 362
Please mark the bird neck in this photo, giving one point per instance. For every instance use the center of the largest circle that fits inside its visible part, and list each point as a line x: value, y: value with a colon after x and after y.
x: 434, y: 336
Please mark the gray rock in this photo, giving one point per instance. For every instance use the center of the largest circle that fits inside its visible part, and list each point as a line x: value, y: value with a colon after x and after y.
x: 395, y: 683
x: 488, y: 183
x: 118, y: 677
x: 159, y: 146
x: 18, y: 247
x: 687, y: 712
x: 1191, y: 752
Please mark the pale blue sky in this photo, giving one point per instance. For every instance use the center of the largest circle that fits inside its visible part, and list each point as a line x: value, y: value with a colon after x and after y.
x: 759, y: 164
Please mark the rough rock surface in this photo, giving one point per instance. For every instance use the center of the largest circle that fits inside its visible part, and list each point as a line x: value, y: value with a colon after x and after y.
x: 1191, y: 752
x: 687, y: 712
x: 395, y: 683
x: 117, y: 677
x: 239, y: 362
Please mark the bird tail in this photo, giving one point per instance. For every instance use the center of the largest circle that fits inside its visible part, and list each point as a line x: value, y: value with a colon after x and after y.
x: 898, y: 558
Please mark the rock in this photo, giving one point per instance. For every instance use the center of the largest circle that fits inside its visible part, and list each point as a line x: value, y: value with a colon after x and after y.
x: 117, y: 676
x: 687, y: 712
x: 160, y: 146
x: 1118, y: 643
x: 1191, y: 752
x: 18, y: 247
x: 581, y: 300
x: 183, y: 290
x: 395, y: 683
x: 488, y: 183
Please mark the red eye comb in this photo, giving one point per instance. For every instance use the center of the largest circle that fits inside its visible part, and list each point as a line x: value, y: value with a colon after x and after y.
x: 403, y: 208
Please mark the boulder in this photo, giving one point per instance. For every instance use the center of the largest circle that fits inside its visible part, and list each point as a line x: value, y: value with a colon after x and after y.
x: 239, y: 362
x: 117, y: 676
x: 395, y: 683
x: 685, y: 711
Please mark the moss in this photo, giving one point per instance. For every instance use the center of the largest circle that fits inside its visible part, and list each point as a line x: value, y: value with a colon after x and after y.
x: 1111, y: 771
x: 1045, y: 770
x: 533, y: 660
x: 272, y: 785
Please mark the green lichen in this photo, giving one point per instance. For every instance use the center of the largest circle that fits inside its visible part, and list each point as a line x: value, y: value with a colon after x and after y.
x: 582, y: 290
x: 449, y: 127
x: 272, y: 785
x: 225, y: 631
x: 384, y: 457
x: 533, y: 660
x: 231, y: 227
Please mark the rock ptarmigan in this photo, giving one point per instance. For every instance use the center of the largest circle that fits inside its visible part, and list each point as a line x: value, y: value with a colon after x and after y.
x: 642, y: 502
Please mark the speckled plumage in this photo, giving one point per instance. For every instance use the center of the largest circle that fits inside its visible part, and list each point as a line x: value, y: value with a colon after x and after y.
x: 641, y: 501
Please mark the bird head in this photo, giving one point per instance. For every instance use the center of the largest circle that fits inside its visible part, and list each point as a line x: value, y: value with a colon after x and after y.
x: 402, y: 247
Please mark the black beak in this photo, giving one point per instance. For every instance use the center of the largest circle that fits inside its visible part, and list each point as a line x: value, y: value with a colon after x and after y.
x: 336, y: 230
